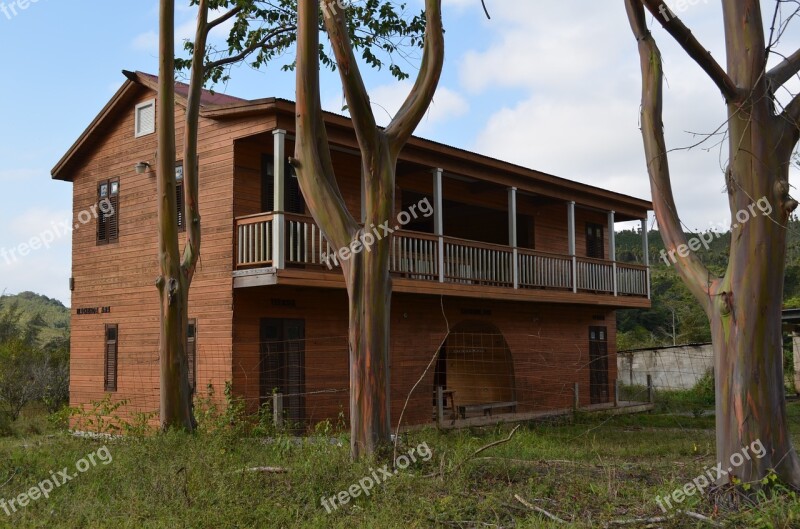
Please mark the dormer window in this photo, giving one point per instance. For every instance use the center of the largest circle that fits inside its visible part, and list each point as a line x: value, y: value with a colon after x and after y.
x: 145, y: 118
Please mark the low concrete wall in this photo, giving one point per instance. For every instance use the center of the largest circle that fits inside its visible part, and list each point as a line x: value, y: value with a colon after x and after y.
x: 678, y: 367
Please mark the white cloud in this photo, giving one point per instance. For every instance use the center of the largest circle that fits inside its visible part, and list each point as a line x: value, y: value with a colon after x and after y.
x: 568, y: 89
x: 35, y: 251
x: 387, y: 99
x: 7, y: 175
x: 148, y: 41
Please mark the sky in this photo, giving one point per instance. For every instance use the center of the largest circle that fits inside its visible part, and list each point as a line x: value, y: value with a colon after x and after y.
x: 549, y: 84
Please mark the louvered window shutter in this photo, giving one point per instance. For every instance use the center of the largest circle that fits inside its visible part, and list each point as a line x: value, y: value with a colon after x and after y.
x: 111, y: 350
x: 102, y: 220
x: 113, y: 217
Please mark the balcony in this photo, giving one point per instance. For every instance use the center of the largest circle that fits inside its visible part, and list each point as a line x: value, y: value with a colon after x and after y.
x: 447, y: 262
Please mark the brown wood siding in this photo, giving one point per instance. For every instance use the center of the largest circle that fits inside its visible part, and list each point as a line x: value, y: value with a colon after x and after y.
x: 549, y: 346
x: 247, y: 184
x: 548, y: 341
x: 122, y: 275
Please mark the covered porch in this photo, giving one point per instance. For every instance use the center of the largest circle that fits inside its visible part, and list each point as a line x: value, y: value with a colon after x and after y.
x: 475, y: 234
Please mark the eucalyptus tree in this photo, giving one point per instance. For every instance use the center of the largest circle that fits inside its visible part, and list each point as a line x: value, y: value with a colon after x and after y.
x: 743, y: 304
x: 366, y: 273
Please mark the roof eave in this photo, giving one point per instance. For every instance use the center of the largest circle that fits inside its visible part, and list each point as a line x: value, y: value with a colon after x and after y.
x: 57, y: 172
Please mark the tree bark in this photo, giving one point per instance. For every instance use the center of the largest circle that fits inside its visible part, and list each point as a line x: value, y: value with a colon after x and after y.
x: 744, y: 306
x: 366, y: 271
x: 369, y: 288
x: 172, y: 284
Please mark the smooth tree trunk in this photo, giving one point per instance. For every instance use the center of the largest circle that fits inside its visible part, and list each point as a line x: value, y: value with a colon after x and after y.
x: 369, y: 289
x: 172, y: 284
x: 744, y: 306
x: 178, y: 271
x: 366, y: 271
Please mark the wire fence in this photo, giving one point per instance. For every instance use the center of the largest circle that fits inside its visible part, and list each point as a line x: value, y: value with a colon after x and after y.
x: 471, y: 378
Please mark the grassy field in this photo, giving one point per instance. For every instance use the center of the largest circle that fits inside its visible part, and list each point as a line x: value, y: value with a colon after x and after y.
x: 587, y: 470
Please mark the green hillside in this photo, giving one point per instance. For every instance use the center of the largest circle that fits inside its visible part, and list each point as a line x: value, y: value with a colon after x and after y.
x: 654, y: 327
x: 53, y: 317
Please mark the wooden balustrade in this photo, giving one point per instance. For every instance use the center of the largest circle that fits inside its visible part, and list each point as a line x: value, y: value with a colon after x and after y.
x: 254, y: 241
x: 543, y: 270
x: 595, y: 274
x: 305, y: 243
x: 631, y: 279
x: 416, y: 256
x: 470, y: 262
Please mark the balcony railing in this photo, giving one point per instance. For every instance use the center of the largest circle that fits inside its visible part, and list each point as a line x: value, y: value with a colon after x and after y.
x: 417, y: 256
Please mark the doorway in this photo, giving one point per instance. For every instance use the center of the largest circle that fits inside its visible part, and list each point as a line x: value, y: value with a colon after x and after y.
x: 598, y: 364
x: 475, y: 367
x: 282, y: 366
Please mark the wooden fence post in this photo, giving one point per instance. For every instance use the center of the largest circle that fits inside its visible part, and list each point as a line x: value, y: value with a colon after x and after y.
x: 439, y: 406
x: 576, y: 401
x: 277, y: 409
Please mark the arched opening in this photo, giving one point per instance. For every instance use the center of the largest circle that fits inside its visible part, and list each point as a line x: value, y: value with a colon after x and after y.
x: 475, y: 370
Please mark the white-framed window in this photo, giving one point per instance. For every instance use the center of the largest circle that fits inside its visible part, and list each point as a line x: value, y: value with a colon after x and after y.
x: 145, y: 118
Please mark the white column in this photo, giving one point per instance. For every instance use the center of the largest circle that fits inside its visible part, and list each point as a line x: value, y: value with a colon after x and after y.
x: 645, y: 244
x: 612, y: 249
x: 571, y: 228
x: 512, y: 234
x: 646, y: 253
x: 438, y: 217
x: 279, y: 184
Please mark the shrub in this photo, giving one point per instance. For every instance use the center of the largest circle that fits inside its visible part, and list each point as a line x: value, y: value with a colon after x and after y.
x: 17, y: 381
x: 5, y: 424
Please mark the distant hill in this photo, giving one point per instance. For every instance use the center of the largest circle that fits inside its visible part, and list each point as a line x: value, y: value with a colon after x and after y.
x: 53, y: 313
x: 639, y: 328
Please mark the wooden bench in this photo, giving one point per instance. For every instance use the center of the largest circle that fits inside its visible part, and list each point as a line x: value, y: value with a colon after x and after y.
x: 486, y: 408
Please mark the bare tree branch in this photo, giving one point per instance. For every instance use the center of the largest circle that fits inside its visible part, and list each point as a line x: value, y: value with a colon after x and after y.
x: 788, y: 68
x: 792, y: 116
x: 683, y: 35
x: 485, y: 10
x: 253, y: 47
x: 352, y: 82
x: 191, y: 251
x: 416, y: 105
x: 689, y: 266
x: 223, y: 18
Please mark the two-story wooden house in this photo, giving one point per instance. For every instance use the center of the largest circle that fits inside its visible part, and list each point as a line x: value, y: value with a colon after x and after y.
x: 509, y: 272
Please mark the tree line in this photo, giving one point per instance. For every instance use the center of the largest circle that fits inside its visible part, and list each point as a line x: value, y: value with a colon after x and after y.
x: 34, y: 363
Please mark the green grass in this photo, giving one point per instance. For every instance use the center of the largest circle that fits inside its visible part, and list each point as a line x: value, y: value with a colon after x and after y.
x: 588, y: 471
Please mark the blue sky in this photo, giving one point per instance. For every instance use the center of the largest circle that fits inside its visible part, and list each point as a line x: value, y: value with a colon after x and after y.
x: 550, y: 84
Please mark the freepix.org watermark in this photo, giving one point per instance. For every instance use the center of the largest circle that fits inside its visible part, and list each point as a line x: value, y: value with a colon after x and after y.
x: 711, y: 475
x: 679, y: 6
x: 56, y: 231
x: 705, y: 239
x: 45, y: 487
x: 374, y: 234
x: 366, y: 484
x: 13, y: 8
x: 329, y: 8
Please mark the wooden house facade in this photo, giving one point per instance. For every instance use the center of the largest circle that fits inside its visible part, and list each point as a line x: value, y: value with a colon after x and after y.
x: 509, y: 273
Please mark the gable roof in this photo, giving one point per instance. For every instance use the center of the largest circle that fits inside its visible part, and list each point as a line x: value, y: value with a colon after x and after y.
x: 223, y: 107
x: 209, y: 99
